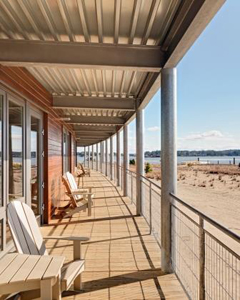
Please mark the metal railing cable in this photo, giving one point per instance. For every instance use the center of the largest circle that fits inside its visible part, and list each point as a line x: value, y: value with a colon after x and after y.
x: 205, y: 255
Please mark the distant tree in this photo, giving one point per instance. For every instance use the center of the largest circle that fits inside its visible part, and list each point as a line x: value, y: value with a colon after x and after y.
x: 148, y: 168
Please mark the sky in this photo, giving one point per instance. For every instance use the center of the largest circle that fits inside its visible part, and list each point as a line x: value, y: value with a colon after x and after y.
x: 208, y: 90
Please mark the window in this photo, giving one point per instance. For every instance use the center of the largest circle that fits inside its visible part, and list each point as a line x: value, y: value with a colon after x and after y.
x: 15, y: 138
x: 66, y: 151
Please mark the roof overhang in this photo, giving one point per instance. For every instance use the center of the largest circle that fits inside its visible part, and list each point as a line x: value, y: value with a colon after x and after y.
x: 100, y: 62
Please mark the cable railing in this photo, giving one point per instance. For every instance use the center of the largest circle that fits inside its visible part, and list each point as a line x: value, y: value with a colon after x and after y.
x: 205, y: 255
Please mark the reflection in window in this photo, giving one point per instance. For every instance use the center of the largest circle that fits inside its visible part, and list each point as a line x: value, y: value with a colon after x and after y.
x: 35, y: 131
x: 15, y: 151
x: 1, y: 114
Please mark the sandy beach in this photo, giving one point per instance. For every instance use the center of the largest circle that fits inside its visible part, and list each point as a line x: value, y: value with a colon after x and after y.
x: 212, y: 189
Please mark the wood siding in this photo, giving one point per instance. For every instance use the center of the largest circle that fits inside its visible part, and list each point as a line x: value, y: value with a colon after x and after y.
x: 20, y: 82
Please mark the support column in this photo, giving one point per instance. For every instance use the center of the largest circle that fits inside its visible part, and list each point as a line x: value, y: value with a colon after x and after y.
x: 102, y: 154
x: 97, y: 157
x: 88, y: 156
x: 106, y: 157
x: 84, y: 156
x: 125, y: 160
x: 92, y: 157
x: 118, y: 158
x: 111, y: 158
x: 100, y: 167
x: 139, y: 156
x: 168, y: 159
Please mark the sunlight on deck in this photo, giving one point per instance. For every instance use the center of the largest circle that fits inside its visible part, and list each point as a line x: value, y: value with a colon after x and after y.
x: 122, y: 258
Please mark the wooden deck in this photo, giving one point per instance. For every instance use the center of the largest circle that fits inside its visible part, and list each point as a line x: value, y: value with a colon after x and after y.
x: 122, y: 258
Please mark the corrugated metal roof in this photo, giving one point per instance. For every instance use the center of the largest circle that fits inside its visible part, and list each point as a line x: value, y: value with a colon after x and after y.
x: 143, y: 22
x: 119, y: 22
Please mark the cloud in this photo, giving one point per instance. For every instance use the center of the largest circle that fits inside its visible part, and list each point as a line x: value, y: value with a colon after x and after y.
x: 205, y: 135
x: 154, y: 128
x: 209, y: 140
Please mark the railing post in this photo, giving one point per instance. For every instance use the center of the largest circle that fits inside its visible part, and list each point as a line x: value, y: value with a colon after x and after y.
x: 201, y: 259
x: 132, y: 187
x: 150, y: 206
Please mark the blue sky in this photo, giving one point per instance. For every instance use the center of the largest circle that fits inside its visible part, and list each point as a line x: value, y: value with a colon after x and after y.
x: 208, y: 90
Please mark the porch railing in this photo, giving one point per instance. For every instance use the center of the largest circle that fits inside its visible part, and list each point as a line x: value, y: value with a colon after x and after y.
x: 205, y: 255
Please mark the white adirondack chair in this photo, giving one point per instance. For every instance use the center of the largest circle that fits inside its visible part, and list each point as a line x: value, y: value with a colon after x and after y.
x: 81, y: 198
x: 28, y: 240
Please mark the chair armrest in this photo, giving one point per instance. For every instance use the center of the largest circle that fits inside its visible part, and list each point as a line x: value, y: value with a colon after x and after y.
x: 80, y: 193
x: 77, y: 240
x: 67, y: 238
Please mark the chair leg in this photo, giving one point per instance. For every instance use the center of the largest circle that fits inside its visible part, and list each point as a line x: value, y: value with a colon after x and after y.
x: 57, y: 290
x: 78, y: 283
x: 89, y: 204
x: 46, y: 289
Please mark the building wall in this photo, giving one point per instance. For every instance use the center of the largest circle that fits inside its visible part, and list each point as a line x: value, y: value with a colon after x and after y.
x: 20, y: 82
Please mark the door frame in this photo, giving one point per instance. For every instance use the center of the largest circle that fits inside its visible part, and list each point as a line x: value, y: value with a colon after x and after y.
x: 32, y: 111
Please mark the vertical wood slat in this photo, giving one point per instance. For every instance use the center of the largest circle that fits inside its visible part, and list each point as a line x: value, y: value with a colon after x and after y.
x: 16, y: 230
x: 35, y: 230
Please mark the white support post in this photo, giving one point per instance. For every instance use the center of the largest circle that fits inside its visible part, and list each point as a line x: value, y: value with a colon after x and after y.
x: 92, y: 157
x: 102, y: 154
x: 88, y: 156
x: 139, y: 157
x: 118, y: 158
x: 97, y: 157
x: 100, y: 167
x: 111, y: 158
x: 168, y: 159
x: 84, y: 156
x: 125, y: 160
x: 106, y: 157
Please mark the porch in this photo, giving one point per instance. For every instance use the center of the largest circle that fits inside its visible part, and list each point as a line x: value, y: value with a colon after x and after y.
x: 122, y: 256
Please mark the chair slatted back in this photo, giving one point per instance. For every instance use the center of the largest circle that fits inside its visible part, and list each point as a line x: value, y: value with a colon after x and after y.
x: 73, y: 198
x: 80, y: 166
x: 24, y: 228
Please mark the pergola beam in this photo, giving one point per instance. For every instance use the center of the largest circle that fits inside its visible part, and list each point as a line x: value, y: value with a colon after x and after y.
x: 92, y: 134
x: 103, y: 103
x: 96, y: 120
x: 69, y: 54
x: 92, y: 128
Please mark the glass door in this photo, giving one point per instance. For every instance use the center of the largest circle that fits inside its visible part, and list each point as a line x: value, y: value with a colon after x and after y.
x: 35, y: 156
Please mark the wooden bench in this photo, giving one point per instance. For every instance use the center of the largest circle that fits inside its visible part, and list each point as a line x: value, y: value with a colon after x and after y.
x: 22, y: 272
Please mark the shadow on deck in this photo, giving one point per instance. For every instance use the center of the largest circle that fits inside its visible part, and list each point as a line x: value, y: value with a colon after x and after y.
x: 122, y: 258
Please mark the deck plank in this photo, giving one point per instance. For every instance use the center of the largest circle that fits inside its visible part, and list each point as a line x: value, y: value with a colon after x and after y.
x: 122, y: 258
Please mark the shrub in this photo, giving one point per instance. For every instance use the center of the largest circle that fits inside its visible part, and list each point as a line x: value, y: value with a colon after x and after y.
x: 148, y: 168
x: 132, y: 162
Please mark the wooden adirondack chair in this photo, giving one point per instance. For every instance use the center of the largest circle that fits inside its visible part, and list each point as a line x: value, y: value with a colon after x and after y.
x: 85, y: 171
x: 28, y: 240
x: 80, y: 198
